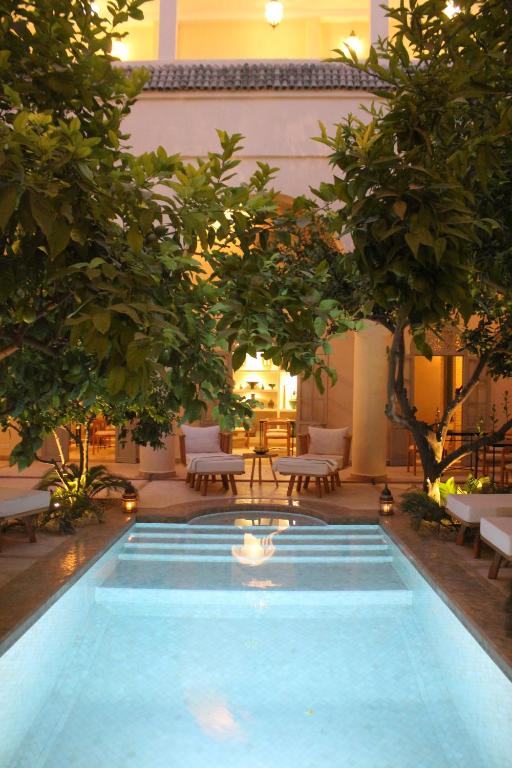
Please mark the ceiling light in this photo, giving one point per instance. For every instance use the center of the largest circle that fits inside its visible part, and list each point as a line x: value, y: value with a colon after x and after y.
x: 451, y: 9
x: 274, y: 13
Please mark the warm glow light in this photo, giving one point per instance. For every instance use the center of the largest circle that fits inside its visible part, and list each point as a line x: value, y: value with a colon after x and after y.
x: 120, y: 50
x: 354, y: 43
x: 274, y: 12
x: 451, y: 9
x: 254, y: 551
x: 95, y: 8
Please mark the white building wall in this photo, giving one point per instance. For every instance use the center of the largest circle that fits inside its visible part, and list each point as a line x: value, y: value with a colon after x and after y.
x: 278, y: 127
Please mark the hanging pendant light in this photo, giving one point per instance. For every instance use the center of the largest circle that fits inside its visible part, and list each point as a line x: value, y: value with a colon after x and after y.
x: 274, y: 13
x: 451, y: 9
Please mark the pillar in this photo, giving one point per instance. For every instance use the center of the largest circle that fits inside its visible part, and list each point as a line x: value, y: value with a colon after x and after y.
x: 379, y: 22
x: 370, y: 424
x: 168, y: 30
x: 159, y: 463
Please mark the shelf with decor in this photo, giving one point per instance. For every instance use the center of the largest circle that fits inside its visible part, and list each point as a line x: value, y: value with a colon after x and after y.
x: 275, y: 389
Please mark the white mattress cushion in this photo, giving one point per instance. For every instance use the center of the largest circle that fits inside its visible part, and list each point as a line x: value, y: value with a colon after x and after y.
x: 291, y: 465
x: 201, y: 439
x: 318, y: 456
x: 498, y: 532
x: 327, y: 441
x: 471, y: 507
x: 23, y: 504
x: 220, y: 463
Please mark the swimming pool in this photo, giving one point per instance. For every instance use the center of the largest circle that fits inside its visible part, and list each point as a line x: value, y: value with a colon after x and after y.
x: 252, y: 645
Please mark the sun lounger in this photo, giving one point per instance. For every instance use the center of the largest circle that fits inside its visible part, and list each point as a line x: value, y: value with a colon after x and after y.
x: 23, y: 507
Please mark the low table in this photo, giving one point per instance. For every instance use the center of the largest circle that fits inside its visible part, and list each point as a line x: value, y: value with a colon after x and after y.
x: 268, y: 455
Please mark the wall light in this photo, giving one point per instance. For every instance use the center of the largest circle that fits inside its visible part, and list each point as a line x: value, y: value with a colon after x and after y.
x: 120, y: 50
x: 274, y: 13
x: 353, y: 42
x: 451, y: 9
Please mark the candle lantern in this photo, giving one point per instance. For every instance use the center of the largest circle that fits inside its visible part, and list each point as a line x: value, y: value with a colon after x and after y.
x: 386, y: 501
x: 129, y: 499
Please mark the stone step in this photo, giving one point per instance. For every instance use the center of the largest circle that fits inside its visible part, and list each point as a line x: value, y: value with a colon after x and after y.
x: 201, y: 602
x: 184, y: 557
x: 280, y: 546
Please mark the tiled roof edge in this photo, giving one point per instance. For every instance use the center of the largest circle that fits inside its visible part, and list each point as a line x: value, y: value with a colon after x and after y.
x: 258, y: 76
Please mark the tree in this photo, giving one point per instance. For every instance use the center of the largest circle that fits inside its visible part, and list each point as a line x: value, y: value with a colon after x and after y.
x: 125, y: 281
x: 423, y: 189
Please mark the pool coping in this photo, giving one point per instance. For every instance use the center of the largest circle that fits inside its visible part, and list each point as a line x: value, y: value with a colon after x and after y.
x: 24, y: 624
x: 498, y: 645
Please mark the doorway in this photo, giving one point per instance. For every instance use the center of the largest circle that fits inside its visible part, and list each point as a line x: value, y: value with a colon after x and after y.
x: 435, y: 382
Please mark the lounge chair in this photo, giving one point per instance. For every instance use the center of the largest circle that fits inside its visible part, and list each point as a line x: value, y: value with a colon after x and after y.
x: 23, y: 508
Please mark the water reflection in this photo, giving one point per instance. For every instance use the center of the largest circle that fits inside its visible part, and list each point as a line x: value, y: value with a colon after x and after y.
x: 255, y: 550
x: 213, y: 715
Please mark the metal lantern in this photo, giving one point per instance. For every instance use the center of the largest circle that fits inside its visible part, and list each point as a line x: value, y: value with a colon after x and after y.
x: 129, y: 499
x: 386, y: 501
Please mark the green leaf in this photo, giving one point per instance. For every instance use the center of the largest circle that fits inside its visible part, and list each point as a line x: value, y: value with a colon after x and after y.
x: 238, y: 357
x: 42, y: 212
x: 59, y: 237
x: 8, y: 199
x: 101, y: 321
x: 135, y: 239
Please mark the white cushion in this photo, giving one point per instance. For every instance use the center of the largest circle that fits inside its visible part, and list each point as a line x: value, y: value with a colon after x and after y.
x: 498, y: 532
x: 327, y: 441
x: 329, y: 457
x: 298, y: 465
x: 471, y: 507
x: 25, y: 504
x: 219, y: 463
x: 201, y: 439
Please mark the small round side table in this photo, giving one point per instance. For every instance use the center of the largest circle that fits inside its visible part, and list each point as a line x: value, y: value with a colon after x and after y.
x: 259, y: 456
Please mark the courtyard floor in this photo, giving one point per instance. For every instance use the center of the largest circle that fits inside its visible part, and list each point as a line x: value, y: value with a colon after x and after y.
x: 32, y: 574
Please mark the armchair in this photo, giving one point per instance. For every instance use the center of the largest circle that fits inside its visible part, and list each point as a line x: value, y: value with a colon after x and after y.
x: 332, y: 444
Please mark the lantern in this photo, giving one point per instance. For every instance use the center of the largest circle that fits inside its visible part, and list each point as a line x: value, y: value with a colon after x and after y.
x: 386, y: 501
x: 129, y: 499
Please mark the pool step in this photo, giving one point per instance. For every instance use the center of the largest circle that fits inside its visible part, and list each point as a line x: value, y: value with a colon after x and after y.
x: 201, y: 602
x: 203, y: 567
x: 164, y: 557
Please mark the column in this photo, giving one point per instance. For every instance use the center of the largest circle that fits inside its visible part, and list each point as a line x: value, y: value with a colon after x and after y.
x: 50, y: 450
x: 370, y: 424
x: 159, y: 463
x: 168, y: 30
x: 379, y: 22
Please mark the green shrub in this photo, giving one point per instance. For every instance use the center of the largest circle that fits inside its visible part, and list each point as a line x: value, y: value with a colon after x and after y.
x: 422, y: 508
x: 74, y: 493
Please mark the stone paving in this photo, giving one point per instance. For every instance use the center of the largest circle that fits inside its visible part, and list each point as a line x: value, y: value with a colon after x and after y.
x: 32, y: 574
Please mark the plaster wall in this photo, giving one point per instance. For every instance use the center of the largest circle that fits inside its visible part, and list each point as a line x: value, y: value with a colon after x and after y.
x: 497, y: 398
x: 278, y: 128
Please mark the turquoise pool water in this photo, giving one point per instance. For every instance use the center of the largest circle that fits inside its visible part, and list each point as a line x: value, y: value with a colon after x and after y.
x: 262, y: 646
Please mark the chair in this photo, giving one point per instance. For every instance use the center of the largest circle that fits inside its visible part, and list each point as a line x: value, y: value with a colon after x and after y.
x: 202, y: 442
x: 328, y: 444
x: 277, y: 429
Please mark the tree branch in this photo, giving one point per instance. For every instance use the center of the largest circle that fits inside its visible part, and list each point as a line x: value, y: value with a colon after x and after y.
x: 475, y: 445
